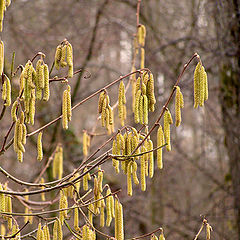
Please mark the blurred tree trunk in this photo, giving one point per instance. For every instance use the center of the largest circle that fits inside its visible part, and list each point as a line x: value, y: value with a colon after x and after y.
x: 230, y: 92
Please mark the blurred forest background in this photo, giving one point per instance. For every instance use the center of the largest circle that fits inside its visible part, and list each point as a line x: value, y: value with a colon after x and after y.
x: 201, y: 175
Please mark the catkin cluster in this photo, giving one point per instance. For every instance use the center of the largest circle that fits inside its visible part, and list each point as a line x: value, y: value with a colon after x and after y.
x: 200, y: 86
x: 122, y: 110
x: 35, y: 85
x: 6, y: 91
x: 167, y: 119
x: 6, y: 205
x: 86, y: 178
x: 106, y: 111
x: 123, y: 146
x: 3, y: 7
x: 43, y: 233
x: 57, y: 169
x: 144, y: 98
x: 87, y: 233
x: 179, y: 103
x: 20, y: 134
x: 64, y: 57
x: 66, y: 107
x: 63, y: 203
x: 69, y: 191
x: 86, y: 143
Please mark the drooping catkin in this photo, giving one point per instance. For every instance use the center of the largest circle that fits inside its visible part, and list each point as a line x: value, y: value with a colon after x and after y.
x: 57, y: 168
x: 85, y: 232
x: 134, y: 173
x: 143, y: 170
x: 142, y: 58
x: 86, y: 177
x: 39, y: 147
x: 8, y: 208
x: 120, y: 234
x: 103, y: 115
x: 65, y: 109
x: 32, y: 107
x: 69, y: 104
x: 197, y: 85
x: 63, y: 203
x: 141, y: 109
x: 129, y: 179
x: 136, y: 110
x: 201, y: 86
x: 141, y: 35
x: 208, y: 231
x: 151, y: 158
x: 160, y: 142
x: 100, y: 101
x: 161, y: 237
x: 46, y: 90
x: 1, y: 49
x: 115, y: 162
x: 102, y: 214
x: 76, y: 227
x: 145, y: 109
x: 14, y: 111
x: 179, y: 103
x: 167, y: 121
x: 2, y: 200
x: 108, y: 208
x: 85, y: 143
x: 69, y: 59
x: 63, y: 56
x: 8, y: 91
x: 154, y: 237
x: 58, y: 56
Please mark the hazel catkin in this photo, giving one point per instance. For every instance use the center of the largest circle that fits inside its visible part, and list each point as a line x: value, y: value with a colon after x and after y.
x: 160, y: 142
x: 167, y: 121
x: 39, y: 147
x: 179, y: 103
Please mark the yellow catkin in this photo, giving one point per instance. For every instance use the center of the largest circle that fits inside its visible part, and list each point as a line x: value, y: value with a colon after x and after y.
x: 160, y: 142
x: 150, y: 93
x: 108, y: 208
x: 134, y: 173
x: 43, y: 198
x: 107, y: 114
x: 76, y: 227
x: 103, y: 115
x: 142, y: 58
x: 136, y: 110
x: 129, y: 179
x: 63, y: 56
x: 100, y: 179
x: 46, y: 91
x: 2, y: 200
x: 141, y: 109
x: 39, y: 147
x: 8, y: 91
x: 179, y: 103
x: 120, y: 222
x: 100, y: 101
x: 14, y: 111
x: 2, y: 231
x: 85, y: 180
x: 69, y: 104
x: 167, y: 121
x: 85, y: 143
x: 115, y: 162
x: 39, y: 231
x: 1, y: 49
x: 151, y: 158
x: 62, y: 204
x: 197, y: 85
x: 85, y: 233
x: 146, y: 156
x: 90, y: 213
x: 65, y: 110
x: 19, y: 138
x: 58, y: 56
x: 4, y: 91
x: 145, y: 109
x: 116, y: 219
x: 143, y: 170
x: 201, y: 87
x: 32, y: 107
x: 8, y: 208
x: 205, y: 87
x: 102, y: 216
x: 40, y: 74
x: 46, y: 232
x: 69, y: 59
x: 141, y: 35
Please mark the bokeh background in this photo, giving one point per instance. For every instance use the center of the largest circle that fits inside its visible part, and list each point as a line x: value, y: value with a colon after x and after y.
x: 201, y: 175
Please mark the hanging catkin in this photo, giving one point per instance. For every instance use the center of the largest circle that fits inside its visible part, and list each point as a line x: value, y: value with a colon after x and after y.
x: 145, y: 109
x: 129, y: 179
x: 154, y: 237
x: 46, y: 232
x: 1, y: 50
x: 179, y: 103
x: 197, y: 85
x: 8, y: 91
x: 76, y: 227
x: 160, y: 142
x: 69, y: 104
x: 46, y: 91
x: 86, y: 177
x: 202, y: 86
x: 142, y: 58
x: 151, y: 158
x: 141, y: 109
x: 57, y: 230
x: 70, y: 60
x: 208, y: 231
x: 100, y: 101
x: 58, y: 56
x: 42, y: 194
x: 143, y: 170
x: 150, y: 93
x: 161, y: 237
x: 136, y: 110
x: 63, y: 56
x: 141, y: 35
x: 14, y: 111
x: 85, y: 143
x: 167, y: 121
x: 39, y: 147
x: 108, y: 208
x: 65, y: 109
x: 2, y: 200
